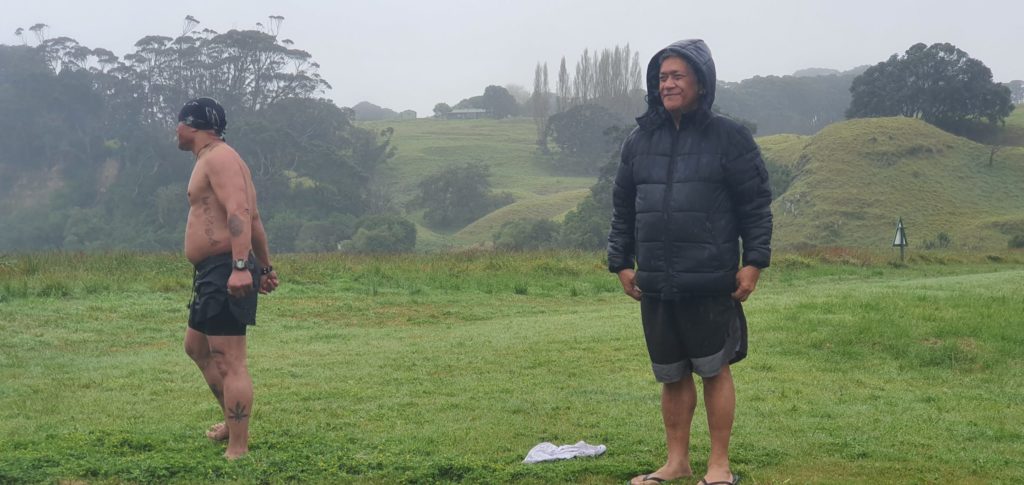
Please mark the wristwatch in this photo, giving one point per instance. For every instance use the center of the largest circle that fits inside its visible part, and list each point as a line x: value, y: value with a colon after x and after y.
x: 240, y: 264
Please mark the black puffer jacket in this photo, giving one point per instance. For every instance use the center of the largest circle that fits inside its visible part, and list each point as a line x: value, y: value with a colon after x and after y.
x: 683, y: 198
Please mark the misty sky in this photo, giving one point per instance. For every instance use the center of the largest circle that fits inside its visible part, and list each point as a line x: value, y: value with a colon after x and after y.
x: 412, y: 54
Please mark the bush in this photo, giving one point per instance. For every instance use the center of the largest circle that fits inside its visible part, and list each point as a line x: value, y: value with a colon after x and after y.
x: 323, y: 236
x: 382, y: 234
x: 941, y: 241
x: 283, y: 232
x: 1016, y: 242
x: 525, y: 235
x: 458, y: 195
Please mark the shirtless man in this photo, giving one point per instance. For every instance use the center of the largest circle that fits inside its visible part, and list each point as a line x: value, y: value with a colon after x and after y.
x: 225, y: 241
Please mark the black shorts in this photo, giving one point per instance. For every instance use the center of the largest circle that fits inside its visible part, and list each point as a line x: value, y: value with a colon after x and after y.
x: 212, y: 310
x: 698, y: 334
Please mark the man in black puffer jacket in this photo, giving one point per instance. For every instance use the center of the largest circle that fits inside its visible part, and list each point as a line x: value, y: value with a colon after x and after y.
x: 690, y: 186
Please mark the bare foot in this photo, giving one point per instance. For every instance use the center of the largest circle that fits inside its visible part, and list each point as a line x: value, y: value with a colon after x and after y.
x: 663, y: 474
x: 218, y: 432
x: 718, y: 477
x: 232, y: 456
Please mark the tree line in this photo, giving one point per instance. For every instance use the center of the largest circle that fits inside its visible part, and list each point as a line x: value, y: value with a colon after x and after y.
x: 96, y: 131
x: 940, y: 84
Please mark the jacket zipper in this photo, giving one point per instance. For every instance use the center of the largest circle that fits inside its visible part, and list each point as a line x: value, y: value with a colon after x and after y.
x: 667, y: 202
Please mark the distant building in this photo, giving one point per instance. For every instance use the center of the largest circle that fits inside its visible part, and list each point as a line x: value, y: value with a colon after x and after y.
x: 466, y: 114
x: 407, y: 115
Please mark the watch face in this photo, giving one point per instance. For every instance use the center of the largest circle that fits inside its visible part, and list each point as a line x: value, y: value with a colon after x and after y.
x: 240, y: 264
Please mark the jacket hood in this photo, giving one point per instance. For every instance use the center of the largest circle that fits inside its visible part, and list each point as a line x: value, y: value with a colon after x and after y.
x: 698, y: 56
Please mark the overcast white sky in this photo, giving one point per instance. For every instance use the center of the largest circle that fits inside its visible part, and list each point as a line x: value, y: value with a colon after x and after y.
x: 409, y: 54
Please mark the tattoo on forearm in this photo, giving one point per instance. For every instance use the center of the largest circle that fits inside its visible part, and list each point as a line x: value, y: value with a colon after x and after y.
x: 237, y: 413
x: 235, y: 225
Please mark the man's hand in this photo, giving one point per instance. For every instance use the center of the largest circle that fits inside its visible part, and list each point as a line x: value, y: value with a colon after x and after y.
x: 268, y: 282
x: 746, y: 281
x: 628, y: 279
x: 239, y: 283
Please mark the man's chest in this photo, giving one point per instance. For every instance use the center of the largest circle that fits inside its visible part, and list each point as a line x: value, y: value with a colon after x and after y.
x: 199, y: 189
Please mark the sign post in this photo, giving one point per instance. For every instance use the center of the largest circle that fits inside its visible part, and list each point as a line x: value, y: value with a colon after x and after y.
x: 901, y: 238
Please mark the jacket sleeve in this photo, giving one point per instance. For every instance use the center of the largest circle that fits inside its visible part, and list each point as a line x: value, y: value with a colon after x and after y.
x: 621, y: 238
x: 751, y: 196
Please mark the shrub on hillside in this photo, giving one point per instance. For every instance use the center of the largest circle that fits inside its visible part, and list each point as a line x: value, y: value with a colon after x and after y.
x: 323, y: 236
x: 386, y: 233
x: 458, y: 195
x: 941, y: 241
x: 1016, y: 242
x: 525, y: 235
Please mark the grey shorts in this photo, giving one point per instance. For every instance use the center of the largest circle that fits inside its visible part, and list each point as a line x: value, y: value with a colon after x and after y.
x: 698, y: 334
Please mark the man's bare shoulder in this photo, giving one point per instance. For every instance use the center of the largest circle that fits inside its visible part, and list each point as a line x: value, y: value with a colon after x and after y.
x: 219, y: 153
x: 219, y: 159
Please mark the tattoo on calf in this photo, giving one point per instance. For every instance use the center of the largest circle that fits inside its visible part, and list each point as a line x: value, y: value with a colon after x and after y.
x: 235, y: 225
x: 237, y: 413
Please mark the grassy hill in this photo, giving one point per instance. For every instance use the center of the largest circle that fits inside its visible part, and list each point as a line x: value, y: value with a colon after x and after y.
x: 425, y: 146
x: 854, y: 179
x: 1014, y: 130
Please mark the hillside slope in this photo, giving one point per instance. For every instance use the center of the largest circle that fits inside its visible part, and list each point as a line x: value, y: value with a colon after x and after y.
x: 853, y: 179
x: 508, y: 147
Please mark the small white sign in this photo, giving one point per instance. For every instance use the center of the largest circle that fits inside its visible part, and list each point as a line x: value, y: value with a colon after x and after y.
x: 901, y: 235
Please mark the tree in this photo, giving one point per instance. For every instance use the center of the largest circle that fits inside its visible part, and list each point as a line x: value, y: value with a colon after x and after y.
x: 99, y: 128
x: 539, y: 104
x: 498, y: 102
x: 458, y: 195
x: 613, y: 78
x: 519, y: 93
x: 586, y: 227
x: 1016, y: 91
x: 581, y: 134
x: 940, y: 84
x: 367, y: 111
x: 563, y: 94
x: 385, y: 233
x: 788, y: 104
x: 441, y: 109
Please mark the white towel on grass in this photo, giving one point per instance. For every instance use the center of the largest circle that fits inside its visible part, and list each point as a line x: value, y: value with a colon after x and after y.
x: 548, y: 451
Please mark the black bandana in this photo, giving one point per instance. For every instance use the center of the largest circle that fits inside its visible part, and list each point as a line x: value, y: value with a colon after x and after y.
x: 204, y: 114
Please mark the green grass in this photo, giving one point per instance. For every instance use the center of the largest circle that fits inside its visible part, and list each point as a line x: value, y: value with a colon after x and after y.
x: 541, y: 207
x: 425, y: 146
x: 448, y: 368
x: 1013, y: 131
x: 855, y: 178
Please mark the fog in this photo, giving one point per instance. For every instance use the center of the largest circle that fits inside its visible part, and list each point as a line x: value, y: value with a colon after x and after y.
x: 413, y: 54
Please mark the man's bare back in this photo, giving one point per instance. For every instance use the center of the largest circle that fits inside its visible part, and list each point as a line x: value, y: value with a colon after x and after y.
x: 207, y: 232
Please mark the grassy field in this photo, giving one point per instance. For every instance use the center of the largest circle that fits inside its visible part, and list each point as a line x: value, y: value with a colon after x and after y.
x: 1014, y: 129
x: 425, y: 146
x: 855, y: 178
x: 448, y: 368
